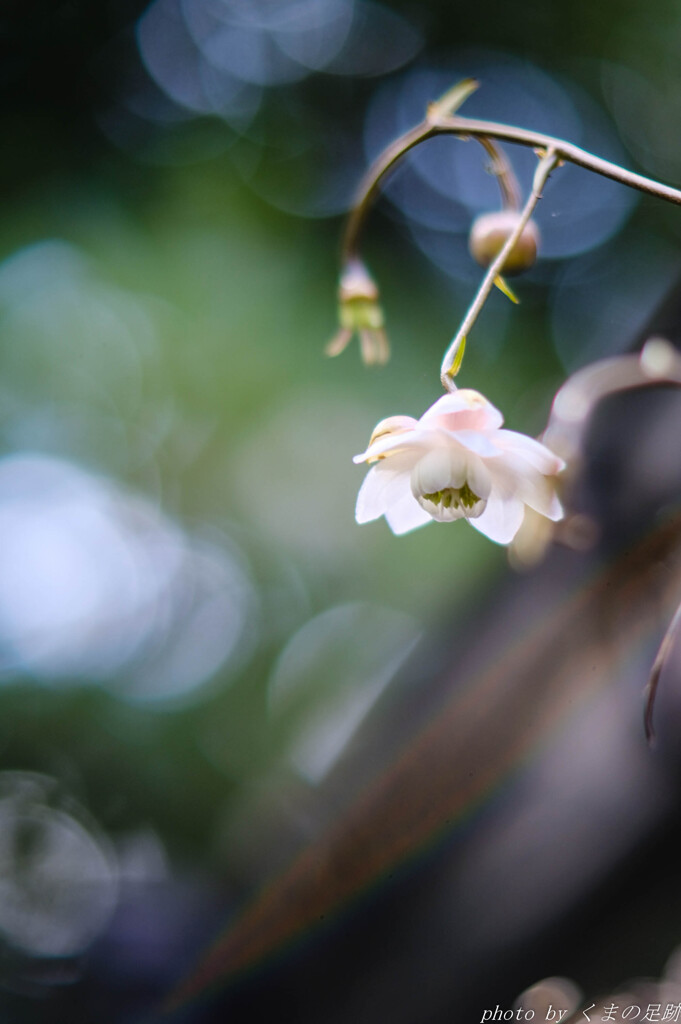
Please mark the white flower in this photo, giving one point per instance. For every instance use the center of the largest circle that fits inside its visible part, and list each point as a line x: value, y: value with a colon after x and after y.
x: 456, y: 462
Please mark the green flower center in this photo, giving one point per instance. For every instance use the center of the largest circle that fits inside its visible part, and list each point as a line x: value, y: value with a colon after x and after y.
x: 454, y: 497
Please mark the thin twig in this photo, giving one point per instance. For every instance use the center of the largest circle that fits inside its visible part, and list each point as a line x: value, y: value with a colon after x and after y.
x: 370, y: 184
x: 472, y: 128
x: 450, y: 362
x: 503, y: 172
x: 565, y: 151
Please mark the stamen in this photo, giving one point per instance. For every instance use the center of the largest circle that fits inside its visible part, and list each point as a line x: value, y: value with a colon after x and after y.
x: 462, y: 499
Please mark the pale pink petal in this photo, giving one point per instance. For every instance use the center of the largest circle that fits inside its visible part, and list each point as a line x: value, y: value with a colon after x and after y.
x: 406, y: 514
x: 452, y: 402
x: 382, y: 487
x: 439, y: 511
x: 481, y: 444
x: 479, y: 478
x: 537, y: 454
x: 540, y: 494
x: 397, y: 442
x: 512, y: 476
x: 463, y: 410
x: 505, y: 475
x: 457, y: 441
x: 439, y: 468
x: 501, y: 519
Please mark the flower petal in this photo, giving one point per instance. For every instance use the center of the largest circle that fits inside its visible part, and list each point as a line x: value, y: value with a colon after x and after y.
x: 381, y: 488
x: 534, y: 452
x: 444, y: 466
x: 513, y: 476
x: 501, y: 519
x: 442, y: 512
x: 456, y: 462
x: 406, y: 514
x: 391, y: 426
x: 540, y: 494
x: 478, y: 478
x: 481, y: 444
x: 398, y: 441
x: 463, y: 409
x: 339, y: 342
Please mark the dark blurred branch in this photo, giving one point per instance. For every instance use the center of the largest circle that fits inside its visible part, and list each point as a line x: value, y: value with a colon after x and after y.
x: 494, y: 715
x: 658, y: 362
x: 571, y: 413
x: 661, y: 659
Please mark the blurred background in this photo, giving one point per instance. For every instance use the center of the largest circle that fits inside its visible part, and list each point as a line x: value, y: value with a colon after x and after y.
x: 204, y: 662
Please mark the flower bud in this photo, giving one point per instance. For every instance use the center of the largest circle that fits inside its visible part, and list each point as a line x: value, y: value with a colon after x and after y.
x: 359, y: 311
x: 489, y: 233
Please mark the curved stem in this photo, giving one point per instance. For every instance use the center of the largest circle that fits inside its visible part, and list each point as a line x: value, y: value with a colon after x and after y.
x: 564, y: 150
x: 369, y: 185
x: 504, y: 173
x: 472, y: 128
x: 452, y: 359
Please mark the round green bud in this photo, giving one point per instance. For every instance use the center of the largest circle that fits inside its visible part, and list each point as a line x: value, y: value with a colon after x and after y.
x: 489, y: 233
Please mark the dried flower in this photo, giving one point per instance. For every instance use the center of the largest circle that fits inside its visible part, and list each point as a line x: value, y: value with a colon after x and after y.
x: 457, y: 463
x: 359, y: 311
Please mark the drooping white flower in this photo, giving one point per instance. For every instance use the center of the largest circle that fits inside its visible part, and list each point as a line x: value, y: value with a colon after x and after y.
x: 457, y: 463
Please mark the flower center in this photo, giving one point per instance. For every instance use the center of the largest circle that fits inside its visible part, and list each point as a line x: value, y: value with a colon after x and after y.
x: 458, y: 499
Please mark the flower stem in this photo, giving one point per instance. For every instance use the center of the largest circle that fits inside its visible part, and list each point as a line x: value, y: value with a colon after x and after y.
x: 503, y: 172
x: 464, y: 127
x: 450, y: 363
x: 369, y: 186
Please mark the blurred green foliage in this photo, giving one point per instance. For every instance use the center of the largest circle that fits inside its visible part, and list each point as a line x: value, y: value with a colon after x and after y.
x: 259, y: 446
x: 255, y: 429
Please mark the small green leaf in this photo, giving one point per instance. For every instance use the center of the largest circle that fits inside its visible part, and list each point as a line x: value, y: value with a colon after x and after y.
x: 458, y: 359
x: 503, y: 286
